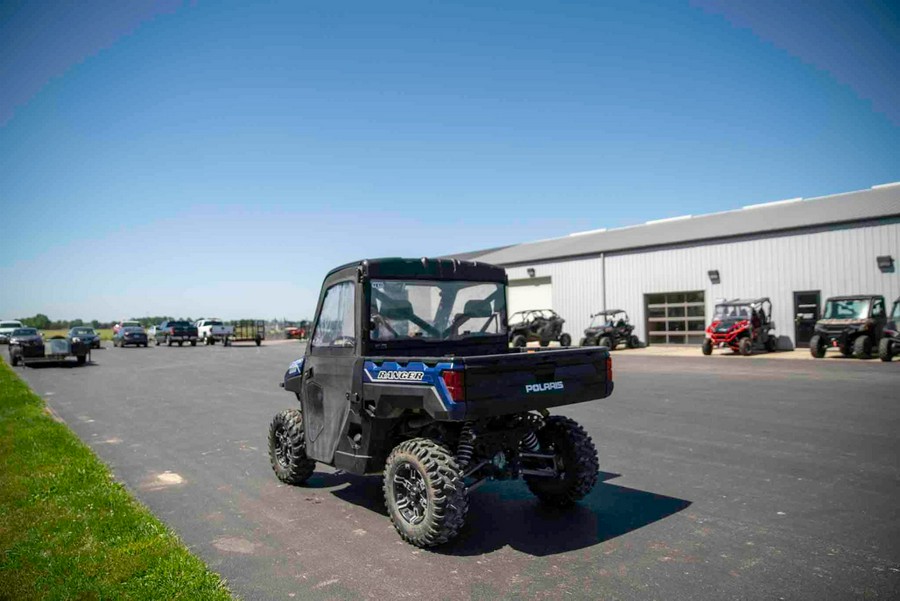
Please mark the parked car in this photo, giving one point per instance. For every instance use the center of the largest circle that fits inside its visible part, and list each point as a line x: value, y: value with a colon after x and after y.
x: 27, y: 346
x: 213, y: 330
x: 543, y: 325
x: 179, y: 332
x: 431, y: 395
x: 85, y: 334
x: 610, y: 329
x: 125, y: 323
x: 742, y: 325
x: 852, y: 324
x: 128, y: 335
x: 890, y: 338
x: 6, y: 329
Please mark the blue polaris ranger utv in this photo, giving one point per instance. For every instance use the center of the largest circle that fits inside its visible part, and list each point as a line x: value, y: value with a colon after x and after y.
x: 409, y: 373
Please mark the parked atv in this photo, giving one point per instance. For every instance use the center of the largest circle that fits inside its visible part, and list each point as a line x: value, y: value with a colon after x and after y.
x: 743, y: 325
x: 409, y: 373
x: 853, y: 324
x: 890, y: 338
x: 543, y: 325
x: 610, y: 329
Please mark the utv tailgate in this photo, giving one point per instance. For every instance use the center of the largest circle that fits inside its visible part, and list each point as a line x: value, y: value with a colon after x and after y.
x: 513, y: 382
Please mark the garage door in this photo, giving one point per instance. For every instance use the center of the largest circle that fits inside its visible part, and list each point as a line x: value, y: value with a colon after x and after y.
x: 533, y: 293
x: 675, y: 318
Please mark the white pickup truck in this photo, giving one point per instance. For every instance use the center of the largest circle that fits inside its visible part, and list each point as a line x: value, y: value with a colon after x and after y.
x: 209, y: 331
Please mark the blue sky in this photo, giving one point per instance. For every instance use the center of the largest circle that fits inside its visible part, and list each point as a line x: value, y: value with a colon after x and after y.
x: 218, y: 157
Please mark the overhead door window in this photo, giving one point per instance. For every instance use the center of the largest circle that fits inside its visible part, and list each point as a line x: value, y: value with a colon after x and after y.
x: 675, y: 317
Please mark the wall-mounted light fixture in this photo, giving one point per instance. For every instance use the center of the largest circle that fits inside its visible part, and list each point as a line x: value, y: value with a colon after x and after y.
x: 885, y: 263
x: 530, y: 271
x: 713, y: 276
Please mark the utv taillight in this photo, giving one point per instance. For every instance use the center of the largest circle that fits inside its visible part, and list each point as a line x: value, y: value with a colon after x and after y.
x: 455, y: 381
x: 609, y: 370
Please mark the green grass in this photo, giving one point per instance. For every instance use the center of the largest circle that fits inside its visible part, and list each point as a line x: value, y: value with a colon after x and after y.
x: 105, y: 334
x: 67, y: 530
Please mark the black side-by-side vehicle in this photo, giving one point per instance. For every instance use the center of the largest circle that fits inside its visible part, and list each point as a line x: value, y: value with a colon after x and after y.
x: 408, y: 372
x: 853, y: 324
x: 890, y: 337
x: 610, y: 329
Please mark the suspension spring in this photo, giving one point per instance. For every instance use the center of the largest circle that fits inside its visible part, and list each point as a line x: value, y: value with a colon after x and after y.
x: 466, y: 445
x: 530, y: 443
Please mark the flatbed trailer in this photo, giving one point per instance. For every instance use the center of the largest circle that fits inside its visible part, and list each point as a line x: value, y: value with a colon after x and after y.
x: 248, y: 330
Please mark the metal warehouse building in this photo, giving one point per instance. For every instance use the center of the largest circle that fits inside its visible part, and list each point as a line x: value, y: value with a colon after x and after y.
x: 669, y: 274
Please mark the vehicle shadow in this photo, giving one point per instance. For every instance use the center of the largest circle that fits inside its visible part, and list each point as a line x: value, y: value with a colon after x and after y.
x: 507, y: 514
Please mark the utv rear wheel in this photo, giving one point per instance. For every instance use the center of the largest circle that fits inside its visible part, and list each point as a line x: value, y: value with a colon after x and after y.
x: 193, y: 343
x: 82, y: 359
x: 575, y: 458
x: 817, y: 347
x: 745, y: 346
x: 424, y: 492
x: 862, y: 347
x: 582, y: 342
x: 771, y: 344
x: 633, y: 342
x: 707, y: 347
x: 885, y: 349
x: 607, y: 342
x: 565, y: 340
x: 14, y: 359
x: 519, y: 341
x: 287, y: 448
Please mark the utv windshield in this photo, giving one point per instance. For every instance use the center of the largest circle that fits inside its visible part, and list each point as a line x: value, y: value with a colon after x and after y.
x: 436, y: 310
x: 607, y: 319
x: 732, y: 312
x: 854, y: 308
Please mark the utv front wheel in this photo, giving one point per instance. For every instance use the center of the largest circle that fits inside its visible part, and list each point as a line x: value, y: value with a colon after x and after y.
x: 885, y: 349
x: 519, y: 341
x: 745, y: 346
x: 707, y: 347
x: 575, y: 459
x: 565, y: 340
x: 14, y: 359
x: 817, y: 347
x: 862, y: 347
x: 633, y: 342
x: 287, y: 448
x: 424, y: 492
x: 607, y: 342
x: 771, y: 344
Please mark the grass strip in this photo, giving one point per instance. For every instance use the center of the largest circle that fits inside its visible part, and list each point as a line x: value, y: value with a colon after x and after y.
x: 68, y: 530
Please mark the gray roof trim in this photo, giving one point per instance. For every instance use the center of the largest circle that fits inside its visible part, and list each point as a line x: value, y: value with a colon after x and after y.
x: 865, y: 205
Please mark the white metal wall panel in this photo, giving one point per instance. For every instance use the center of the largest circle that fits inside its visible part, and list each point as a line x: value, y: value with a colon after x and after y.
x: 841, y: 261
x: 524, y: 295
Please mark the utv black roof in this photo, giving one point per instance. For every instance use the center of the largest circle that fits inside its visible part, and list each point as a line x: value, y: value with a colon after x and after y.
x: 610, y: 312
x: 742, y: 302
x: 426, y: 269
x: 852, y: 297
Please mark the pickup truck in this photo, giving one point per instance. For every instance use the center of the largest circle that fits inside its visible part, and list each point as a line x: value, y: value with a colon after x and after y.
x: 211, y: 331
x: 179, y: 332
x: 409, y: 373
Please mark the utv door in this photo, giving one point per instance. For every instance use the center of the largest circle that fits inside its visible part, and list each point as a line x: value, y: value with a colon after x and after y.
x: 329, y: 371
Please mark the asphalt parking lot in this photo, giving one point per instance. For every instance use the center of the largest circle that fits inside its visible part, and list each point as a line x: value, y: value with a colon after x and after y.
x: 723, y: 478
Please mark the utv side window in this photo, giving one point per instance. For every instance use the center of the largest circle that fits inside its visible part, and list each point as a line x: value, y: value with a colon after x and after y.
x: 878, y: 308
x: 335, y: 327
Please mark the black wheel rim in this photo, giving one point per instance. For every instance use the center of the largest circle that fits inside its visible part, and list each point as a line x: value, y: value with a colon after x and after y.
x: 410, y: 493
x: 282, y: 446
